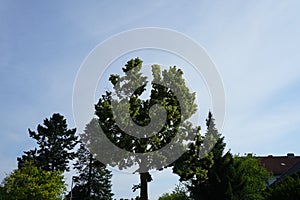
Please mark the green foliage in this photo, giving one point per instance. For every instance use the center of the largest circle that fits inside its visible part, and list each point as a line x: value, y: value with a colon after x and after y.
x: 194, y: 165
x: 173, y: 196
x: 191, y: 166
x: 218, y: 183
x: 55, y: 142
x: 136, y: 198
x: 139, y: 109
x: 219, y: 175
x: 179, y: 193
x: 287, y: 189
x: 3, y: 194
x: 93, y: 180
x: 250, y: 179
x: 34, y: 183
x: 161, y: 94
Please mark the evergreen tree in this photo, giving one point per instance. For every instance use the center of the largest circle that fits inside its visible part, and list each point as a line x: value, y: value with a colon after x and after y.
x: 55, y: 144
x: 192, y: 166
x: 217, y: 184
x: 223, y: 176
x: 203, y: 167
x: 230, y: 177
x: 93, y: 180
x: 139, y: 111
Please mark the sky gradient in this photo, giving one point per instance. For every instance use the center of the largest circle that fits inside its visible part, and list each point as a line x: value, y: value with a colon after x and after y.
x: 254, y: 44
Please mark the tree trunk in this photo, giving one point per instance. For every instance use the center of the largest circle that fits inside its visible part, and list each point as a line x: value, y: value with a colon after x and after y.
x: 144, y: 186
x: 90, y: 176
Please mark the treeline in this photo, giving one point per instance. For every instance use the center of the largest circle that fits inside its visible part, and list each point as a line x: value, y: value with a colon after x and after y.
x: 40, y: 171
x: 222, y: 176
x: 218, y: 175
x: 206, y: 171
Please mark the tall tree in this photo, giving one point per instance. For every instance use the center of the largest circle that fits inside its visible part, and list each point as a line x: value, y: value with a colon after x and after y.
x: 55, y: 144
x: 218, y: 185
x: 139, y: 111
x: 194, y: 164
x: 31, y: 182
x: 227, y: 177
x: 93, y: 179
x: 207, y: 177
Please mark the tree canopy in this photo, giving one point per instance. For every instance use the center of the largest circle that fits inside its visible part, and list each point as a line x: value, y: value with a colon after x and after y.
x: 287, y: 188
x: 219, y: 175
x: 55, y: 144
x: 93, y: 179
x: 217, y: 183
x: 179, y: 193
x: 126, y: 111
x: 150, y: 123
x: 250, y: 179
x: 31, y: 182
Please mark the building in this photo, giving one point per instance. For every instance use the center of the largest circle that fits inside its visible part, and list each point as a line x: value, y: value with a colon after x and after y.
x: 280, y: 166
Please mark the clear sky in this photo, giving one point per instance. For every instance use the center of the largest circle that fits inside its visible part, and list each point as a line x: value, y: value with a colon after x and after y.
x: 254, y: 44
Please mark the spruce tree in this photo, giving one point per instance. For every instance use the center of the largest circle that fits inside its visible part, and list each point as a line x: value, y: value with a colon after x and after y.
x: 55, y: 144
x: 218, y: 184
x: 219, y: 175
x: 93, y: 179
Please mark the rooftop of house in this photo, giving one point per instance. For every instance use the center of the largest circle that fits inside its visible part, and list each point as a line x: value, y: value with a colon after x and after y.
x: 289, y: 172
x: 279, y: 165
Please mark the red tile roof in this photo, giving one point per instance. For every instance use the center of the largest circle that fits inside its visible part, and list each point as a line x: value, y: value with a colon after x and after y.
x: 279, y: 164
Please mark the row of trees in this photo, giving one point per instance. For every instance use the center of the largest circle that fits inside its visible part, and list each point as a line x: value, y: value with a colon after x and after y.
x: 40, y: 171
x: 205, y: 169
x: 228, y: 177
x: 219, y: 175
x: 207, y: 174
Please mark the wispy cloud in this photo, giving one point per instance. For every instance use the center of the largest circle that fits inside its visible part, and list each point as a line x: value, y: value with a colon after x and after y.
x: 254, y: 44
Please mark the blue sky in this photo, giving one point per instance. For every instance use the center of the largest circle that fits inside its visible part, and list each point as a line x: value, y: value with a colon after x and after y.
x: 254, y: 44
